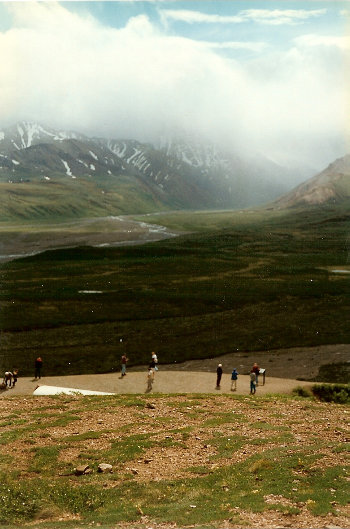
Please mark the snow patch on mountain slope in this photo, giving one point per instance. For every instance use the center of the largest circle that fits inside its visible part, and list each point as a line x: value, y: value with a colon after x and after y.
x: 136, y: 153
x: 93, y: 155
x: 68, y: 169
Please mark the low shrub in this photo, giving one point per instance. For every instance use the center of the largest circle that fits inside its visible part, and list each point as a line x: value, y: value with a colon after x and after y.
x: 299, y: 391
x: 339, y: 393
x: 337, y: 373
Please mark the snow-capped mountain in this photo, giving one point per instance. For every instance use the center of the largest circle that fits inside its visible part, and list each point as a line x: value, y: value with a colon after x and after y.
x: 182, y: 173
x: 26, y: 134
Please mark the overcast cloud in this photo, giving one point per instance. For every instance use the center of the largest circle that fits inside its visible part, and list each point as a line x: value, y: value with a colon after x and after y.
x: 69, y: 70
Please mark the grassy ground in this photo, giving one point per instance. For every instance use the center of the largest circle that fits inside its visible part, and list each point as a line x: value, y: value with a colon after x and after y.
x: 199, y: 461
x: 256, y: 285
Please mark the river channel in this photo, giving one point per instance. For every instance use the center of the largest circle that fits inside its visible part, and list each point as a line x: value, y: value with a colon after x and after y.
x: 22, y: 240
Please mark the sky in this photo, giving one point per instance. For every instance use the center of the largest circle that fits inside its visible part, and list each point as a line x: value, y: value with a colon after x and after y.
x: 267, y: 77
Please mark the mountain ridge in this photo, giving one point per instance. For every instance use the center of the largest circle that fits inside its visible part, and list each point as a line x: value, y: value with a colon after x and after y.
x: 332, y: 185
x: 121, y: 176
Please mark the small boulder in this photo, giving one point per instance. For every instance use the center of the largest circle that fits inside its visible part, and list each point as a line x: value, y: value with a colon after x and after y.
x: 105, y: 468
x: 82, y: 469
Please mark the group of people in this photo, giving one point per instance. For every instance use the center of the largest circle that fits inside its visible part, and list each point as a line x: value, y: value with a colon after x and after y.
x: 254, y: 377
x: 10, y: 379
x: 152, y: 368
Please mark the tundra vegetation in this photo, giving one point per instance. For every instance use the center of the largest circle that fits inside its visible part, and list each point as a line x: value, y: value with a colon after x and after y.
x: 251, y: 280
x: 194, y: 460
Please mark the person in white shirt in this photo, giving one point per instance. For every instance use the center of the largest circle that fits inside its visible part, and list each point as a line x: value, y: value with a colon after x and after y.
x: 155, y: 360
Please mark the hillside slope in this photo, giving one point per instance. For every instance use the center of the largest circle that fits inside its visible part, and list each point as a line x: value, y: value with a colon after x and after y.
x: 331, y: 186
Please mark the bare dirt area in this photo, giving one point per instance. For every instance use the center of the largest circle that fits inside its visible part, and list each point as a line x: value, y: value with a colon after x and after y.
x: 293, y: 363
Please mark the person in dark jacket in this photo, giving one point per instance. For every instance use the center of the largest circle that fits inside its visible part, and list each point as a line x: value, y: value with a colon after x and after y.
x: 218, y: 375
x: 15, y: 377
x: 234, y: 377
x: 38, y: 367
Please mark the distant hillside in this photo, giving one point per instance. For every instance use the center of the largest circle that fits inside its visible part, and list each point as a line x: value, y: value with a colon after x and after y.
x: 48, y: 173
x: 330, y: 186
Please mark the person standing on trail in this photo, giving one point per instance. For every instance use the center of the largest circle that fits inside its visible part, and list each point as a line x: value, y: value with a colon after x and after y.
x: 218, y: 375
x: 124, y: 360
x: 14, y: 377
x: 252, y: 382
x: 256, y: 370
x: 155, y: 360
x: 234, y: 377
x: 38, y: 367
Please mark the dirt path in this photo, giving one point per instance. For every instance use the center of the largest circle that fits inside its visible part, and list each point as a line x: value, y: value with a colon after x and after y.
x: 284, y: 369
x: 165, y: 382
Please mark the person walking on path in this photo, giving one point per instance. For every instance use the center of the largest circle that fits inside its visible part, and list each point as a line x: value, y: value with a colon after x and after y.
x: 150, y: 378
x: 152, y: 366
x: 155, y: 360
x: 252, y: 382
x: 218, y: 375
x: 256, y: 370
x: 124, y: 360
x: 234, y: 377
x: 38, y: 367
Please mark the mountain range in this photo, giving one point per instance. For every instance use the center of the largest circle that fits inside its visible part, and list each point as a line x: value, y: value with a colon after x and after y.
x: 46, y: 173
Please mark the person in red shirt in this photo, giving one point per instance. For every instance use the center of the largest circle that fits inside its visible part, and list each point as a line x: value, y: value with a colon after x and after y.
x: 256, y: 370
x: 123, y: 362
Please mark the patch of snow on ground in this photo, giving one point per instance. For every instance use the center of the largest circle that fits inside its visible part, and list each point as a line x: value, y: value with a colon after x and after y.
x: 21, y: 133
x: 15, y: 162
x: 136, y: 153
x: 93, y: 155
x: 117, y: 149
x: 2, y: 135
x: 90, y: 291
x: 68, y: 170
x: 92, y: 167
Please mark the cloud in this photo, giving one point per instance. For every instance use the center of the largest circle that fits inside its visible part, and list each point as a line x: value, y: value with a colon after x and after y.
x: 195, y: 17
x: 236, y: 45
x: 69, y: 71
x: 261, y: 16
x: 343, y: 43
x: 281, y: 16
